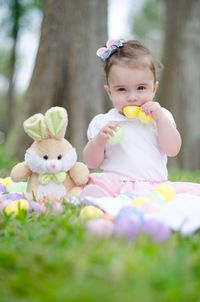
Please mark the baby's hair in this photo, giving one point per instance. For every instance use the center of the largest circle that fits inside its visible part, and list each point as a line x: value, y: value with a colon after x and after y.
x: 133, y: 53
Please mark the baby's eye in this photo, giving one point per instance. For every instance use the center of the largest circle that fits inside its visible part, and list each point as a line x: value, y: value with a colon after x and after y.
x: 59, y: 157
x: 121, y: 89
x: 141, y: 87
x: 45, y: 157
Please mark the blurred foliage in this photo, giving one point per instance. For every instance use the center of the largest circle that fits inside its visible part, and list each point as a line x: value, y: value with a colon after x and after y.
x: 178, y: 175
x: 148, y: 26
x: 150, y: 19
x: 17, y: 15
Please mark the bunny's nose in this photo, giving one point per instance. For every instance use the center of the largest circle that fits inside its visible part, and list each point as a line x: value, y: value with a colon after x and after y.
x: 53, y: 165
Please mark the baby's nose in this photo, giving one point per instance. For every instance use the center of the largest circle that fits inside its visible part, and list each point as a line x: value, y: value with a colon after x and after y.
x: 133, y: 99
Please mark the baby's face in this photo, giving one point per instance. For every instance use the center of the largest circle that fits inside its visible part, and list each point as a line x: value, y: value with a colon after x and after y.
x: 130, y: 86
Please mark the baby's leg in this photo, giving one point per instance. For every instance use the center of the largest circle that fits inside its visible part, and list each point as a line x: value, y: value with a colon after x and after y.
x: 93, y: 190
x: 102, y: 185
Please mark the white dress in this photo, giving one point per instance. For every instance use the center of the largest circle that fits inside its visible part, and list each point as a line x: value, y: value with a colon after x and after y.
x: 137, y: 156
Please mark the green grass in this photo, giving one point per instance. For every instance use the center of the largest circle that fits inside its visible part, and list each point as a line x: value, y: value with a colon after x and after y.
x: 52, y: 258
x: 193, y: 176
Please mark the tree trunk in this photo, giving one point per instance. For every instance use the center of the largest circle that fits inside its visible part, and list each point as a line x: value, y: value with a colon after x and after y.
x: 180, y: 91
x: 67, y: 72
x: 84, y: 82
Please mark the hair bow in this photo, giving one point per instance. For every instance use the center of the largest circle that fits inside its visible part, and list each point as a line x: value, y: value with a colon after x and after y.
x: 105, y: 52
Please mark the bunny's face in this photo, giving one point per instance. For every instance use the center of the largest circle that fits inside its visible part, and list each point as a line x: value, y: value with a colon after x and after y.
x: 50, y: 156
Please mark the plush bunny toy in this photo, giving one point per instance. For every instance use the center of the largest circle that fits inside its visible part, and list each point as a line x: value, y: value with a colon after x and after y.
x: 51, y: 162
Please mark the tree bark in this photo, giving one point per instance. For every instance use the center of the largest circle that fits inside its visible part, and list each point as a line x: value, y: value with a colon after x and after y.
x: 180, y: 91
x: 67, y: 72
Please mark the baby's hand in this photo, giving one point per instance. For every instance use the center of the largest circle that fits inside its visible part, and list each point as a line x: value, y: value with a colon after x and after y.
x: 154, y: 109
x: 105, y: 133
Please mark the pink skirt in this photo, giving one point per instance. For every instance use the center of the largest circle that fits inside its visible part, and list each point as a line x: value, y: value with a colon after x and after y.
x: 110, y: 184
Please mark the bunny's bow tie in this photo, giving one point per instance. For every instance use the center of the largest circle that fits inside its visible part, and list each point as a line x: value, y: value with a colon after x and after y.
x: 45, y: 178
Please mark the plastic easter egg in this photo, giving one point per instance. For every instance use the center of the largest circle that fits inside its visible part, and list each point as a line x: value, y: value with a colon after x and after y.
x: 15, y: 207
x: 17, y: 187
x: 156, y: 197
x: 156, y: 229
x: 131, y: 111
x: 6, y: 181
x: 13, y: 196
x: 36, y: 207
x: 100, y: 227
x: 90, y: 212
x: 107, y: 216
x: 127, y: 226
x: 130, y: 211
x: 2, y: 188
x: 117, y: 136
x: 139, y: 201
x: 144, y: 117
x: 166, y: 191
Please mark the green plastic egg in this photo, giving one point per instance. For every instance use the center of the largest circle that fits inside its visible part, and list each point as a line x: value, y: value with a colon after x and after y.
x: 117, y: 136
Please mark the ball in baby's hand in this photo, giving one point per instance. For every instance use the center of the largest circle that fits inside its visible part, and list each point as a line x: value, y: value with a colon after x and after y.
x: 117, y: 136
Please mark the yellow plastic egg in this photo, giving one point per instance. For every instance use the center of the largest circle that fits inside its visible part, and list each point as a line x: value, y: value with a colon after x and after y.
x: 166, y: 191
x: 131, y: 111
x: 6, y: 181
x: 90, y: 212
x: 144, y: 117
x: 15, y: 207
x: 138, y: 202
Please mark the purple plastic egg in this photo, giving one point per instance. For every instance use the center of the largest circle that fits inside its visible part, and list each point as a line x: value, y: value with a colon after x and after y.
x: 127, y: 226
x: 156, y: 229
x: 2, y: 188
x: 100, y: 227
x: 14, y: 196
x: 36, y: 207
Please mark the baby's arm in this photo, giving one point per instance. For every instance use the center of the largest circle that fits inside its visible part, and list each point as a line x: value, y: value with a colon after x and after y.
x: 168, y: 136
x: 93, y: 152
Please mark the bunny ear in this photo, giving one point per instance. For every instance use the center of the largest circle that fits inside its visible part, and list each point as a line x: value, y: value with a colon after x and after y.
x: 57, y: 120
x: 35, y: 127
